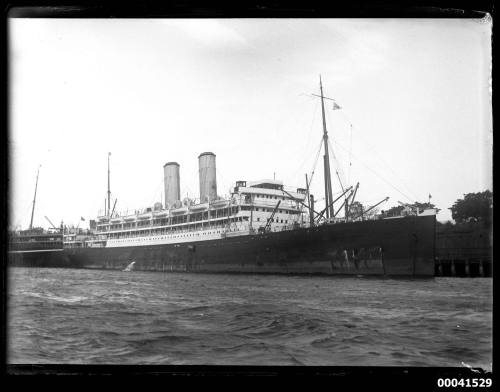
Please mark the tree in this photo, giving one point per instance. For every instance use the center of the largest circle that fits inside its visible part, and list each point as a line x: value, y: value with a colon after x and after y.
x: 398, y: 210
x: 447, y: 225
x: 473, y: 207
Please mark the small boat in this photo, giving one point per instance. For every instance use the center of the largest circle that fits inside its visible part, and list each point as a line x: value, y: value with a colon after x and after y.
x: 130, y: 267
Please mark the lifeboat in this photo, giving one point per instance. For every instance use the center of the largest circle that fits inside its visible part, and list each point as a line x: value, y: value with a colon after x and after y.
x: 219, y: 203
x: 179, y: 211
x: 161, y: 213
x: 199, y: 207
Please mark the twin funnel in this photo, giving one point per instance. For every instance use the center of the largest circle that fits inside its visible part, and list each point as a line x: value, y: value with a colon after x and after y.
x: 171, y: 181
x: 207, y: 176
x: 208, y: 180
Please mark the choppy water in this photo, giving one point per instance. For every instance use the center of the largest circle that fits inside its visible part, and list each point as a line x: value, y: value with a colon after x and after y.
x: 113, y: 317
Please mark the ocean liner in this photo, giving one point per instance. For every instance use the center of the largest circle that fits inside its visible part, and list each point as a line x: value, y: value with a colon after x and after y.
x: 262, y: 227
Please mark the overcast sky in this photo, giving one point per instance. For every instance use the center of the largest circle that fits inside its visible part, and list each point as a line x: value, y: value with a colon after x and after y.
x: 415, y: 118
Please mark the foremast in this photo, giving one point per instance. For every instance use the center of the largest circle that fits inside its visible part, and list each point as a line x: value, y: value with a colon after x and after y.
x: 34, y: 198
x: 109, y: 190
x: 326, y: 159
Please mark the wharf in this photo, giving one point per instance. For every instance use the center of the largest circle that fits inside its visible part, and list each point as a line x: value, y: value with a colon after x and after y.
x: 464, y: 250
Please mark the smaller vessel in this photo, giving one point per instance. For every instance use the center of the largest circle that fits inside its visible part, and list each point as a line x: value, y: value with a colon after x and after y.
x: 36, y: 246
x: 130, y: 267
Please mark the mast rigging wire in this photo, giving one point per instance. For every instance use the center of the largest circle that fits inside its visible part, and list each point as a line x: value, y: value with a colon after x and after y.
x: 350, y: 157
x: 373, y: 148
x: 378, y: 175
x: 306, y: 155
x: 337, y: 166
x: 316, y: 161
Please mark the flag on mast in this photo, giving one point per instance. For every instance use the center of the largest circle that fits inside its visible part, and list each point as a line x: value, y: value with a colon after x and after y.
x: 335, y: 106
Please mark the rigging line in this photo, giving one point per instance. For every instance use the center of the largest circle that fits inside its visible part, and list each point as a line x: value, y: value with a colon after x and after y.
x: 336, y: 161
x: 316, y: 106
x: 350, y: 157
x: 221, y: 180
x: 306, y: 148
x: 155, y: 193
x: 299, y: 168
x: 337, y: 164
x: 313, y: 120
x: 335, y: 158
x: 295, y: 120
x: 398, y: 177
x: 187, y: 189
x: 285, y: 117
x: 316, y: 160
x: 378, y: 175
x: 346, y: 117
x: 373, y: 148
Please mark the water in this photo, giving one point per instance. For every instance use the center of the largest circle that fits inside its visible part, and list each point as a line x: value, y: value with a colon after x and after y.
x: 114, y: 317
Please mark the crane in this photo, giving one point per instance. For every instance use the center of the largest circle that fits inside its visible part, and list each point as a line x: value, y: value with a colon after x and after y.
x: 114, y: 205
x: 51, y: 223
x: 269, y: 220
x: 352, y: 201
x: 331, y: 204
x: 298, y: 200
x: 371, y: 208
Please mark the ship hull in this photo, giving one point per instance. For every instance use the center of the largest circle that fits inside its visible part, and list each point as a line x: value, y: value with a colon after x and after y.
x: 39, y: 258
x: 391, y: 247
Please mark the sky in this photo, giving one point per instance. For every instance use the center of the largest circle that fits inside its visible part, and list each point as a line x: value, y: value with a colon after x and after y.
x: 415, y: 117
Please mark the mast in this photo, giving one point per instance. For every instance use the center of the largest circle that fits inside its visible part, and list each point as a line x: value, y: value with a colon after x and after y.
x: 34, y: 198
x: 109, y: 191
x: 311, y: 214
x: 326, y: 158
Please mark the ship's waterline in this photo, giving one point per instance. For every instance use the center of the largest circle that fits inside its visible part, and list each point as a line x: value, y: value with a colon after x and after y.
x: 381, y: 247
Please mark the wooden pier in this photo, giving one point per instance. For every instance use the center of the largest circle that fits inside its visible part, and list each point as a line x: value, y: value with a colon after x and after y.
x: 464, y: 251
x: 460, y: 267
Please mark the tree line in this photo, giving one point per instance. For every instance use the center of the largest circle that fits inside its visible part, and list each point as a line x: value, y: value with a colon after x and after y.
x: 473, y: 207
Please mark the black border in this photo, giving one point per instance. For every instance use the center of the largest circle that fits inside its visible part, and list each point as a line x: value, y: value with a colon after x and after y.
x: 248, y: 9
x: 349, y: 376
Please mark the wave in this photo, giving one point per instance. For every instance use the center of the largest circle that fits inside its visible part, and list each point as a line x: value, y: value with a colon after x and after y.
x: 191, y: 309
x: 90, y: 317
x: 325, y: 340
x: 51, y: 297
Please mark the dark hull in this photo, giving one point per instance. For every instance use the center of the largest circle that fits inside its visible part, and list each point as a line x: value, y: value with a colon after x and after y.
x: 393, y: 247
x: 40, y: 258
